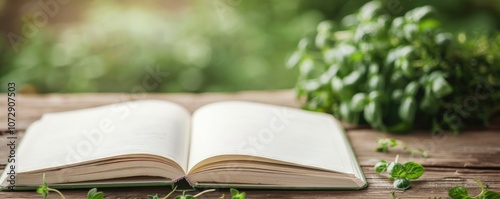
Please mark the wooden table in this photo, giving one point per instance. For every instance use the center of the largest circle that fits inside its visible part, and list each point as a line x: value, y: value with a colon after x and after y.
x: 454, y: 160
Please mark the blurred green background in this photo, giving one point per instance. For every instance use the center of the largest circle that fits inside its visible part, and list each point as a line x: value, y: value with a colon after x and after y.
x: 178, y: 46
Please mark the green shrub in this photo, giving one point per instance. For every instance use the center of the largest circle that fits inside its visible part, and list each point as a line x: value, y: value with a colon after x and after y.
x: 399, y: 72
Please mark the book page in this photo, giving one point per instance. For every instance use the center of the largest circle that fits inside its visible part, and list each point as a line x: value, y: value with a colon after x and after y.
x: 137, y: 127
x: 257, y: 130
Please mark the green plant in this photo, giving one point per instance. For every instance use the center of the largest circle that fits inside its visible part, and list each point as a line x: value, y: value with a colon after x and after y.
x: 158, y: 197
x: 401, y: 173
x: 398, y: 72
x: 235, y: 194
x: 460, y: 192
x: 94, y: 194
x: 44, y: 190
x: 385, y: 143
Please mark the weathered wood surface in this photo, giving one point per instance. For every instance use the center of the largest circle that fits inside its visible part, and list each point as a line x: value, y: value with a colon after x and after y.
x: 454, y: 160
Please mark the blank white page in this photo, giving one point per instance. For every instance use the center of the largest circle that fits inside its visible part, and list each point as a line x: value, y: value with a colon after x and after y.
x: 268, y: 131
x: 137, y: 127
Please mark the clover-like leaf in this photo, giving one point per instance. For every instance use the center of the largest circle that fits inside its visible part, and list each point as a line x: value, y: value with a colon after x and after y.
x: 440, y: 87
x: 459, y: 192
x: 235, y: 194
x: 407, y: 110
x: 396, y: 170
x: 358, y: 102
x: 490, y: 195
x: 413, y: 170
x: 381, y: 166
x: 401, y: 183
x: 44, y: 188
x: 94, y: 194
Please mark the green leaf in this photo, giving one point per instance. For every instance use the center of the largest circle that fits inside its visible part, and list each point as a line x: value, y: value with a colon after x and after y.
x: 458, y: 192
x: 396, y: 170
x: 428, y: 24
x: 397, y: 94
x: 405, y: 67
x: 490, y: 195
x: 306, y: 67
x: 407, y: 110
x: 383, y: 145
x: 381, y: 166
x: 368, y: 11
x: 347, y: 114
x: 294, y: 59
x: 353, y: 78
x: 358, y: 102
x: 44, y: 188
x: 91, y: 193
x: 321, y: 39
x: 234, y: 192
x: 393, y: 142
x: 185, y: 197
x: 153, y: 196
x: 94, y: 194
x: 440, y: 87
x: 303, y: 44
x: 373, y: 69
x: 325, y: 26
x: 373, y: 113
x: 411, y: 89
x: 401, y: 183
x: 376, y: 96
x: 337, y: 86
x: 376, y: 83
x: 393, y: 194
x: 413, y: 170
x: 419, y: 13
x: 429, y: 104
x: 443, y: 39
x: 237, y: 195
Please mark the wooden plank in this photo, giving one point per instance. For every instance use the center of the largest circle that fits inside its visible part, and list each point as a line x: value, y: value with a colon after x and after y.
x: 434, y: 182
x: 471, y: 148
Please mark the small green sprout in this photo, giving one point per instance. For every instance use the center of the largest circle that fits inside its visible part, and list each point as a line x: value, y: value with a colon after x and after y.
x: 385, y: 143
x: 401, y: 173
x: 460, y: 192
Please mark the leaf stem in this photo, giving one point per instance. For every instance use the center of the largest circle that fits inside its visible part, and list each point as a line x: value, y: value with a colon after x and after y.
x: 203, y: 192
x: 482, y: 189
x: 397, y: 157
x: 168, y: 195
x: 57, y: 191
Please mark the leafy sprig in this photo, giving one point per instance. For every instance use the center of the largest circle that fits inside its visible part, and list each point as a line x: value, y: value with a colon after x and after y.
x: 94, y: 194
x: 235, y: 194
x: 460, y: 192
x: 44, y: 190
x: 385, y: 143
x: 396, y: 73
x: 401, y: 173
x: 158, y: 197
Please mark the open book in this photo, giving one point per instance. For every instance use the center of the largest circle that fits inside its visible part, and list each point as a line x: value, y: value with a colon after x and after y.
x: 152, y: 142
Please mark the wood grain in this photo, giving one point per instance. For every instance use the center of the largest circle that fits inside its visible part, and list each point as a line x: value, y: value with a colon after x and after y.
x: 454, y: 160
